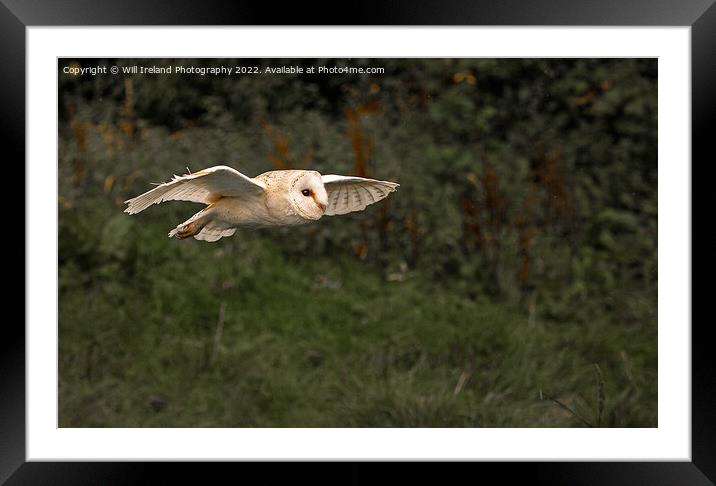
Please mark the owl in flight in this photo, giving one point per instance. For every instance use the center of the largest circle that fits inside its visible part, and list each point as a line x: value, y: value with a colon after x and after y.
x: 275, y: 198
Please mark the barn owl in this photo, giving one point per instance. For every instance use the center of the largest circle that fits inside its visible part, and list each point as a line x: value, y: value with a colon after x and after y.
x: 275, y: 198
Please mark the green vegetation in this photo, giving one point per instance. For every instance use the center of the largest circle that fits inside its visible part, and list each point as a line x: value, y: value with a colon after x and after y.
x: 510, y: 282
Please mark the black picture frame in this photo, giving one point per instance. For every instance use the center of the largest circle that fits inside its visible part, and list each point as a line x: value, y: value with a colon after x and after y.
x: 16, y: 15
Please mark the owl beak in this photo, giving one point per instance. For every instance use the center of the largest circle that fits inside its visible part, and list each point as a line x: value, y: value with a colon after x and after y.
x: 322, y: 206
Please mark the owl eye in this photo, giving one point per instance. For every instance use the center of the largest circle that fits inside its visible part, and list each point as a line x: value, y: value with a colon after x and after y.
x: 306, y: 192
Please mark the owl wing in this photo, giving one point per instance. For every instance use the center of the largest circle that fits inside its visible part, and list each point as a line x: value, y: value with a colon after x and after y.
x: 205, y: 186
x: 347, y: 193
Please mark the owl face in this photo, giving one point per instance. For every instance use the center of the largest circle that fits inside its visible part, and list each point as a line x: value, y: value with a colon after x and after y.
x: 308, y: 195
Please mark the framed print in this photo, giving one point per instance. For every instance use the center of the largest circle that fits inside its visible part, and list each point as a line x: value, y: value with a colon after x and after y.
x: 255, y: 236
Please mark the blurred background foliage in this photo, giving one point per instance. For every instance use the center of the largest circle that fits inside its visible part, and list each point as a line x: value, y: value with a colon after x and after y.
x: 510, y: 282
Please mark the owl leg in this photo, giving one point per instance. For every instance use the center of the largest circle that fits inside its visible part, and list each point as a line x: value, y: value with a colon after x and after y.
x: 191, y: 226
x: 187, y: 230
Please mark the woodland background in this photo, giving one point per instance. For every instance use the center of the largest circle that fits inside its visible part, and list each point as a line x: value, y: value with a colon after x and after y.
x: 510, y: 282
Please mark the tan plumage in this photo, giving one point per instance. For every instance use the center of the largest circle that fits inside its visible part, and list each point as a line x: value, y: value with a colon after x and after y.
x: 275, y: 198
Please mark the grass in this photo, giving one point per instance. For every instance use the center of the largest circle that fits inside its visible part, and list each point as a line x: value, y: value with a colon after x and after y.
x: 245, y: 333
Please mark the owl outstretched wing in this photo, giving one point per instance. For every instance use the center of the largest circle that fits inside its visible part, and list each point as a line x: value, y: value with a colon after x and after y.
x: 205, y: 186
x: 347, y: 194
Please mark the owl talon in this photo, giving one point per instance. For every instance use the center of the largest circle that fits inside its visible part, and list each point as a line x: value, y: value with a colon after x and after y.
x: 187, y: 230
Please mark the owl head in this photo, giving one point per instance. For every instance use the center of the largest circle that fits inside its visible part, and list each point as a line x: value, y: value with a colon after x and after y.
x: 307, y: 195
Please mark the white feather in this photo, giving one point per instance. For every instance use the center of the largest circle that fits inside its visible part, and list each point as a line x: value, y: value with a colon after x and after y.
x: 202, y: 187
x: 347, y: 194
